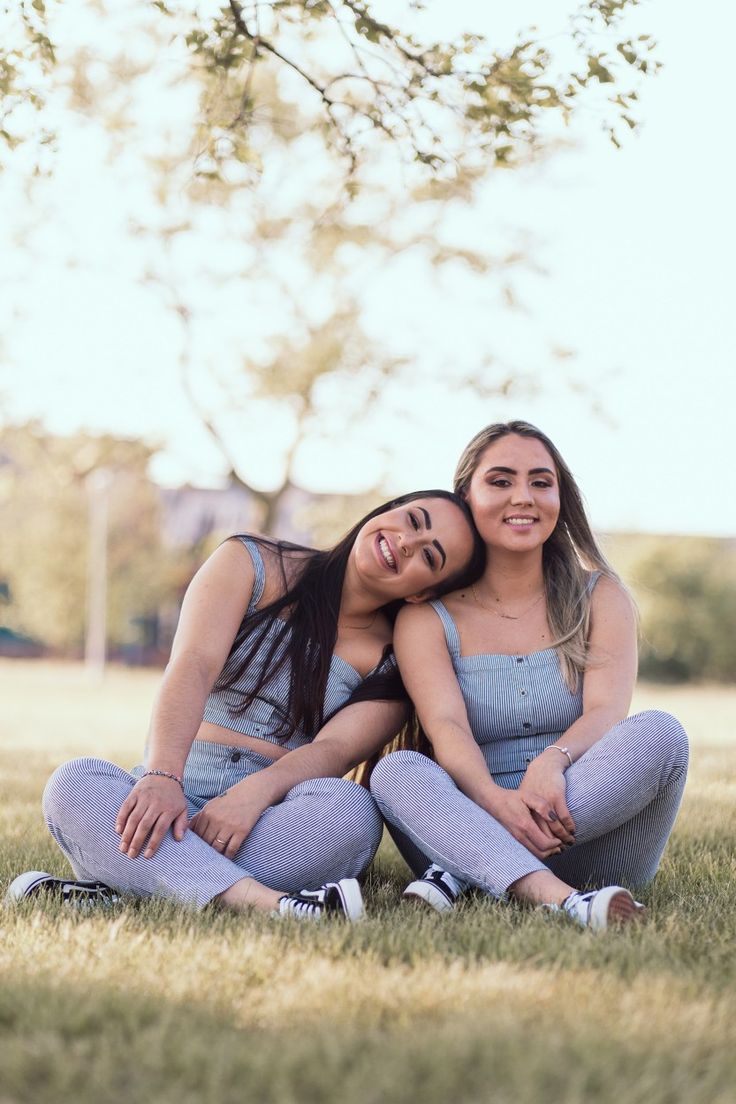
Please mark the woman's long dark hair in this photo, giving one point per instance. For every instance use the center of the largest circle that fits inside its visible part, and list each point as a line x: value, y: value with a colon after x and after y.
x: 304, y: 644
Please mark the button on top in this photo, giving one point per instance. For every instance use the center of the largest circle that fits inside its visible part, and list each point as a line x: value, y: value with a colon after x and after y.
x: 526, y: 724
x: 235, y: 757
x: 519, y: 659
x: 522, y: 692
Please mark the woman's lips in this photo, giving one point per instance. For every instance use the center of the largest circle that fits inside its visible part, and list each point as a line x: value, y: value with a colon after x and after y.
x: 385, y: 553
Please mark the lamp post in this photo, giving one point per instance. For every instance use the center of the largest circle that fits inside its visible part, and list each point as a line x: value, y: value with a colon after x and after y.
x: 97, y: 485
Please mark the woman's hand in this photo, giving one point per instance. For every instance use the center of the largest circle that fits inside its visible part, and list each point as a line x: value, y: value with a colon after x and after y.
x: 511, y: 810
x: 226, y: 821
x: 154, y: 805
x: 543, y: 790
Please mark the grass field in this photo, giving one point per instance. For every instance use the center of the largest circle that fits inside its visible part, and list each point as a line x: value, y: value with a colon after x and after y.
x: 153, y: 1003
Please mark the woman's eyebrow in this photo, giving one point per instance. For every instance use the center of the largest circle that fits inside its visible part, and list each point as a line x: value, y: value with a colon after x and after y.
x: 513, y: 471
x: 436, y: 543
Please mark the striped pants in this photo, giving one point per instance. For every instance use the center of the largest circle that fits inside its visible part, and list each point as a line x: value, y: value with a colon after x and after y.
x: 323, y: 830
x: 623, y: 795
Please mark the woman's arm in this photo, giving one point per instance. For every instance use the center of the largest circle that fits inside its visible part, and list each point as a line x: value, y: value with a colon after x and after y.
x: 213, y: 608
x: 428, y: 675
x: 354, y: 734
x: 607, y: 688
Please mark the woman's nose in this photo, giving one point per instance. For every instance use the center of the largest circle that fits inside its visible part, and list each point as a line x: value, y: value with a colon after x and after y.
x: 522, y: 494
x: 407, y: 543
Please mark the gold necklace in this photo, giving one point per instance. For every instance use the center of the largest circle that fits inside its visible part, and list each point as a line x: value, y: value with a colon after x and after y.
x: 500, y: 613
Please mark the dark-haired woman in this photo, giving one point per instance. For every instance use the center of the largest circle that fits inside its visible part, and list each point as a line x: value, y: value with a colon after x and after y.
x: 541, y: 785
x: 280, y: 681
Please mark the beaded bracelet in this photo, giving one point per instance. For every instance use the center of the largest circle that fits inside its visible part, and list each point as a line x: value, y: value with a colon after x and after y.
x: 564, y: 751
x: 164, y: 774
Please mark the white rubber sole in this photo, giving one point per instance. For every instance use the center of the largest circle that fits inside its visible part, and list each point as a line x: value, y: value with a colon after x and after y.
x: 24, y: 885
x: 79, y: 894
x: 612, y: 907
x: 429, y: 894
x: 352, y: 899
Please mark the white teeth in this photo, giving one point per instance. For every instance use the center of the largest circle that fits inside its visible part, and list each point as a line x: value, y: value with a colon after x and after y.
x: 386, y: 552
x: 519, y: 522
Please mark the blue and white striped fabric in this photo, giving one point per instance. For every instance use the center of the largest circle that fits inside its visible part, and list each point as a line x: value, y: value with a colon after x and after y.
x: 623, y: 793
x: 323, y: 830
x: 517, y: 704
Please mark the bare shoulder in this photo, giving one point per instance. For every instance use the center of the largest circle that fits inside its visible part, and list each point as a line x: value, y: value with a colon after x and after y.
x: 282, y: 565
x: 416, y: 617
x: 610, y: 597
x: 613, y: 617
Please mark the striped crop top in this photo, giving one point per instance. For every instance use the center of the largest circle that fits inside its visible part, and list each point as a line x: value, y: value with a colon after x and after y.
x: 263, y: 717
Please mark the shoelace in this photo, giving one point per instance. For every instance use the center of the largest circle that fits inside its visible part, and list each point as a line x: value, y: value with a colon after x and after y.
x: 300, y: 907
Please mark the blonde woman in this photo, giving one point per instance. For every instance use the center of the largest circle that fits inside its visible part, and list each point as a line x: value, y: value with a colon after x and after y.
x: 541, y: 785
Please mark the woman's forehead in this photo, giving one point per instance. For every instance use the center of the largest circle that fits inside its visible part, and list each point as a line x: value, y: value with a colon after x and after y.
x: 513, y: 451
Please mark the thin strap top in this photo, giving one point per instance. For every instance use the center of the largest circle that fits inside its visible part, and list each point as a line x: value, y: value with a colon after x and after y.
x: 516, y: 704
x: 263, y: 716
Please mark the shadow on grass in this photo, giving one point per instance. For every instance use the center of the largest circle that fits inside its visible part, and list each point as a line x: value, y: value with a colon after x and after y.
x: 106, y: 1046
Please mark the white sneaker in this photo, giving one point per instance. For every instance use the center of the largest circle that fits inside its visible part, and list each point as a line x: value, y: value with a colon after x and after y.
x: 341, y: 898
x: 602, y: 908
x: 436, y: 888
x: 76, y: 894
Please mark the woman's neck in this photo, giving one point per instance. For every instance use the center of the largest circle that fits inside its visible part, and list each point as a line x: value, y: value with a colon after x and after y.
x: 357, y: 604
x: 512, y: 576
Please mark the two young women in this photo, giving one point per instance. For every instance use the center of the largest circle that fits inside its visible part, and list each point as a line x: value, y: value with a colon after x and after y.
x: 522, y: 679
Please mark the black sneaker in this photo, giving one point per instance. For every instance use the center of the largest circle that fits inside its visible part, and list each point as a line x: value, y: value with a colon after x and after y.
x: 436, y: 888
x: 341, y: 898
x: 76, y: 894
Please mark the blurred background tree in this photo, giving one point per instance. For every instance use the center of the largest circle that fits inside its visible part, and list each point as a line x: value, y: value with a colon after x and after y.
x: 44, y: 539
x: 279, y: 161
x: 312, y: 147
x: 687, y: 591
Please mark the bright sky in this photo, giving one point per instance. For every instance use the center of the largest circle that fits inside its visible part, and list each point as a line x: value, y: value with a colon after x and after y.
x: 638, y: 247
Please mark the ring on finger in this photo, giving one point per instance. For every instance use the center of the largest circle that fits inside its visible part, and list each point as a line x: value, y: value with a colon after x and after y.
x: 218, y: 840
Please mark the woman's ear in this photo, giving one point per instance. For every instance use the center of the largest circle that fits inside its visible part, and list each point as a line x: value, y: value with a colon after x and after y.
x: 421, y: 596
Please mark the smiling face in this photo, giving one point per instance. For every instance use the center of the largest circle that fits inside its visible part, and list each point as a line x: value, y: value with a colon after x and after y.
x: 409, y: 551
x: 514, y: 494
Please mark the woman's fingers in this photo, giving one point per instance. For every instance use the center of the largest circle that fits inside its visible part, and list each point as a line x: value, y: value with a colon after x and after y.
x: 142, y: 818
x: 551, y: 819
x: 180, y: 825
x: 158, y: 832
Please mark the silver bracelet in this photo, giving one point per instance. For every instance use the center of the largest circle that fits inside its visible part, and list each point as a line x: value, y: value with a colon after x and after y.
x: 163, y: 774
x: 564, y: 751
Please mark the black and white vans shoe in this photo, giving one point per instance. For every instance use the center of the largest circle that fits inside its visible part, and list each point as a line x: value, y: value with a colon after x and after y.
x: 76, y: 894
x: 436, y: 888
x: 342, y: 899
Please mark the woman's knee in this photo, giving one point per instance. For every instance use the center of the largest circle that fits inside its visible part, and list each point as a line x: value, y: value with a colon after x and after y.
x: 391, y: 773
x: 68, y: 785
x: 665, y: 732
x: 354, y: 807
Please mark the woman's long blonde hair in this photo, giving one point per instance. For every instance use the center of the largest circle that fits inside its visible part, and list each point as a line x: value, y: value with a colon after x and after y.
x: 569, y: 554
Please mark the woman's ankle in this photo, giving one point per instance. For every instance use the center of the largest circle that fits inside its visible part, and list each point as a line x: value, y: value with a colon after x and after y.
x: 249, y: 894
x: 541, y: 887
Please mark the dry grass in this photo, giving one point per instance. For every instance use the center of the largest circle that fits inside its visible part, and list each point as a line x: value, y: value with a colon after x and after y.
x: 496, y: 1003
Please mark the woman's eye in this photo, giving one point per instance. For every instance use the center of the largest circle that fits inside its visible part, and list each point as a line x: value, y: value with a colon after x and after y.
x: 413, y: 520
x: 541, y: 483
x: 429, y: 557
x: 501, y: 482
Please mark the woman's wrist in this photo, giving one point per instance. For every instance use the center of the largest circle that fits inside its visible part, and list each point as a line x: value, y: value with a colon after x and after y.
x: 157, y: 773
x: 549, y: 761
